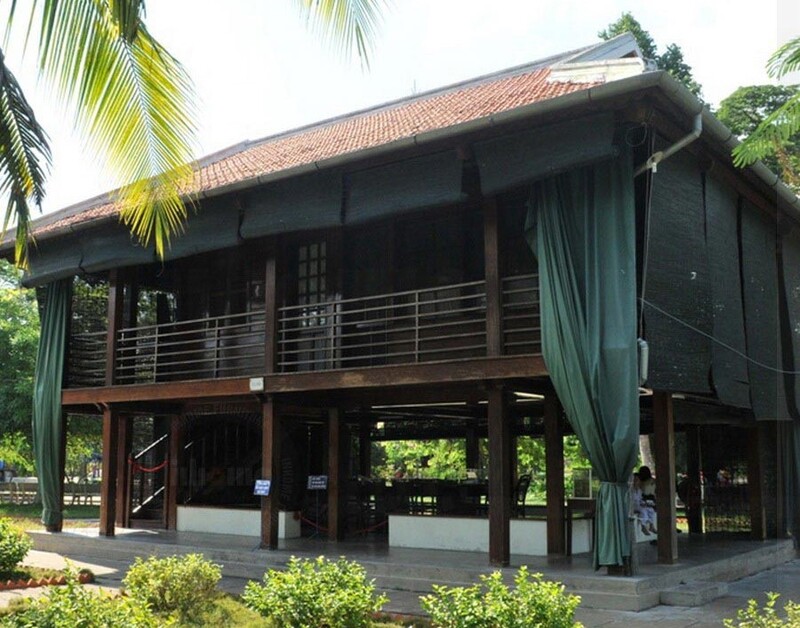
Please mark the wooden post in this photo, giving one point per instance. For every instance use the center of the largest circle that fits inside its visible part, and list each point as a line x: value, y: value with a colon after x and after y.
x: 115, y: 310
x: 176, y: 436
x: 365, y: 449
x: 271, y: 314
x: 494, y: 296
x: 472, y: 446
x: 694, y: 502
x: 755, y: 486
x: 337, y: 452
x: 108, y: 486
x: 270, y: 470
x: 664, y: 437
x: 499, y: 479
x: 554, y: 470
x: 123, y: 470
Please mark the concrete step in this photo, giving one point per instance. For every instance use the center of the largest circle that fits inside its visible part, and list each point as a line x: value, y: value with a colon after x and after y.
x: 695, y: 593
x: 617, y: 601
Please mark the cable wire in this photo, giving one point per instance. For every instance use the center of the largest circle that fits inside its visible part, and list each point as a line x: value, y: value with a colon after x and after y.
x: 719, y: 342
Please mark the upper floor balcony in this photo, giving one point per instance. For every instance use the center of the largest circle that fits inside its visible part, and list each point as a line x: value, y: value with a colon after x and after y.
x: 447, y: 323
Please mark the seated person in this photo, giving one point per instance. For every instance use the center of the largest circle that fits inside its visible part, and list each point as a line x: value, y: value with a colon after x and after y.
x: 643, y: 500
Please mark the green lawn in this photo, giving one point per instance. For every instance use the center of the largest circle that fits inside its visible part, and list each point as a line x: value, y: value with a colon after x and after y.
x: 28, y: 516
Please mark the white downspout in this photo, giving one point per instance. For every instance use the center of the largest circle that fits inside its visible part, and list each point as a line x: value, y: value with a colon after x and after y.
x: 659, y: 156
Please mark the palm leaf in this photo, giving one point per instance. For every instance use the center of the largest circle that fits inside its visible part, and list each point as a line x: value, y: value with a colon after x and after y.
x: 350, y: 25
x: 785, y: 60
x: 133, y: 101
x: 24, y: 156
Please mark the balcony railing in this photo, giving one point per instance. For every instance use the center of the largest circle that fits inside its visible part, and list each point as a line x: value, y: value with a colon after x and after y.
x: 437, y: 324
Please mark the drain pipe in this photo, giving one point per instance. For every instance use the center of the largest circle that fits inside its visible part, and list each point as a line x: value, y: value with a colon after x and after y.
x: 659, y: 156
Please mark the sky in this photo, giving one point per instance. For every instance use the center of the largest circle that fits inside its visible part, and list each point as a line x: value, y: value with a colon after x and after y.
x: 258, y: 70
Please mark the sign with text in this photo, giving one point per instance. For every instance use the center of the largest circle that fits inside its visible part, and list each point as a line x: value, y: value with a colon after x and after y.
x: 262, y: 488
x: 317, y: 482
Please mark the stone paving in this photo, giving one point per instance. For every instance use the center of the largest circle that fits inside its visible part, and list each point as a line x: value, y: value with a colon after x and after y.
x: 784, y: 579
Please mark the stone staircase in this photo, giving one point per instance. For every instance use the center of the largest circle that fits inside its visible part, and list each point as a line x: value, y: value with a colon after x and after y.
x: 413, y: 573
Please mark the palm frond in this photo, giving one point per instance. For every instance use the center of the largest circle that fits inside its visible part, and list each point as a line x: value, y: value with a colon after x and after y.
x: 133, y: 101
x: 785, y: 60
x: 24, y: 157
x: 349, y: 25
x: 778, y: 127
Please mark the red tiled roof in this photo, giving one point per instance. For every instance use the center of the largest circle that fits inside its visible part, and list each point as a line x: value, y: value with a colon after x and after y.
x: 361, y: 131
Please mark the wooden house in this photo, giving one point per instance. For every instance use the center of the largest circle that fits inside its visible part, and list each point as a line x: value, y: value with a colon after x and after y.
x: 370, y: 277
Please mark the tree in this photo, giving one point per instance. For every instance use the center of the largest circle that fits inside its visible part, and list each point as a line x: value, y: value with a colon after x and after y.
x: 782, y: 124
x: 747, y: 108
x: 133, y: 101
x: 671, y: 60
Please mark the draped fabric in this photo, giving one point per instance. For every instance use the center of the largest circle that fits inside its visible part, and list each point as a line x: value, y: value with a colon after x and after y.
x: 47, y: 419
x: 789, y: 439
x: 581, y: 226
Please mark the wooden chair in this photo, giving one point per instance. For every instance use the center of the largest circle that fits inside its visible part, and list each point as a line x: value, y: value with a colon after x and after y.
x: 521, y: 494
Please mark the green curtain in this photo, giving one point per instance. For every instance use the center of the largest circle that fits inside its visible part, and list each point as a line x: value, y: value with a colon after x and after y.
x: 789, y: 442
x: 47, y: 420
x: 581, y: 225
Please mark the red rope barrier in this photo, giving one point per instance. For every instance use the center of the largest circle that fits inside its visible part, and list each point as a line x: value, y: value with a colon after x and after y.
x: 135, y: 466
x: 313, y: 524
x: 371, y: 528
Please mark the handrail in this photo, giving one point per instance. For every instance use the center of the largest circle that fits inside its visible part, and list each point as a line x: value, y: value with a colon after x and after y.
x: 155, y: 443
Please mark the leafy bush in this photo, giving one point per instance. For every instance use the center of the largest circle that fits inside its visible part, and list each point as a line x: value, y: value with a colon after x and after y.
x: 753, y: 617
x: 313, y: 593
x: 74, y: 605
x: 533, y: 602
x: 14, y: 545
x: 177, y: 585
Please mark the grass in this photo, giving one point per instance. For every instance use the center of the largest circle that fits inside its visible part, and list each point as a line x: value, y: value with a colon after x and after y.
x: 28, y: 516
x: 23, y: 572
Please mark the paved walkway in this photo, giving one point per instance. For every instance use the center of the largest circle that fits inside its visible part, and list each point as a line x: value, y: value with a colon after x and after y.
x: 784, y: 579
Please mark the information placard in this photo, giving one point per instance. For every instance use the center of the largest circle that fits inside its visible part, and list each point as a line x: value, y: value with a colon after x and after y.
x: 317, y: 482
x: 262, y: 487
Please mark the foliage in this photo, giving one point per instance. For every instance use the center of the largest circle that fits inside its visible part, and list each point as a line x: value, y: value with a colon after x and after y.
x: 672, y: 58
x: 314, y: 593
x: 780, y: 125
x: 532, y: 602
x: 19, y: 337
x: 768, y: 617
x: 16, y: 452
x: 182, y: 586
x: 746, y: 108
x: 14, y: 545
x: 73, y: 605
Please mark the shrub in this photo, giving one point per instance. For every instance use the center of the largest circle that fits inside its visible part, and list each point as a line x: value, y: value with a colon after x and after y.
x: 14, y: 545
x: 533, y: 602
x: 313, y: 593
x: 74, y: 605
x: 754, y: 617
x: 176, y: 585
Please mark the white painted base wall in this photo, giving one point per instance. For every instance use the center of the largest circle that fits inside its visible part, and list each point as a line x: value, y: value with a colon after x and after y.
x: 528, y: 536
x: 237, y: 521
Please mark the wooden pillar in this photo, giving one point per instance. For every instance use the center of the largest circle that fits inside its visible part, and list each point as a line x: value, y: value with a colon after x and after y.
x: 664, y: 437
x: 365, y: 449
x: 554, y: 465
x: 694, y: 464
x: 176, y: 436
x: 494, y: 295
x: 337, y: 454
x: 108, y: 486
x: 499, y: 478
x: 755, y: 486
x: 270, y: 470
x: 122, y: 518
x: 472, y: 446
x: 271, y: 314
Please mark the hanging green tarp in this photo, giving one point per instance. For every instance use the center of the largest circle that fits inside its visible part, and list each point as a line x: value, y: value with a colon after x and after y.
x: 403, y: 186
x: 312, y: 201
x: 512, y: 160
x: 581, y: 225
x: 211, y: 226
x: 52, y: 259
x: 113, y: 246
x: 47, y: 419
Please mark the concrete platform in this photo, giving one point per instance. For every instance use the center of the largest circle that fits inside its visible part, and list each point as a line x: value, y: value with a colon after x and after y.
x: 396, y: 570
